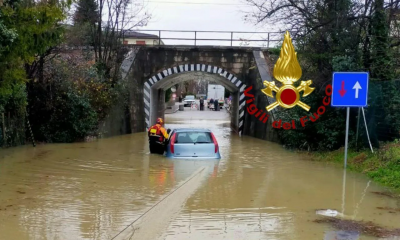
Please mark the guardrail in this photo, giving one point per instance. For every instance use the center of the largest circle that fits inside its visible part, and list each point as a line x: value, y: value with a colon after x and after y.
x: 193, y: 38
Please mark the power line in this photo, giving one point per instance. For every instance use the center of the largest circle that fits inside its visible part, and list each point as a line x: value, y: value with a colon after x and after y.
x: 198, y: 3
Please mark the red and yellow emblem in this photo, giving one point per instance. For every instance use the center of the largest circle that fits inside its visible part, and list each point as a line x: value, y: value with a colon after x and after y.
x: 287, y: 70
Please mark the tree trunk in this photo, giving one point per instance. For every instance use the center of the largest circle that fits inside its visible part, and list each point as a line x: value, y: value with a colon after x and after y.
x: 40, y: 69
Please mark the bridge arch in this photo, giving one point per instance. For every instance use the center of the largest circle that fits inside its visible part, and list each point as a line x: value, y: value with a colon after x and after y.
x: 164, y: 79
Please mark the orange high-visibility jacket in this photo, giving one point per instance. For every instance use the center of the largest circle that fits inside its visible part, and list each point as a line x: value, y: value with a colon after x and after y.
x: 158, y: 131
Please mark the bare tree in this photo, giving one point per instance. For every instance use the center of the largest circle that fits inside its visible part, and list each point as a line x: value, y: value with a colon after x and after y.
x: 115, y: 17
x: 302, y: 17
x: 101, y: 24
x: 307, y: 16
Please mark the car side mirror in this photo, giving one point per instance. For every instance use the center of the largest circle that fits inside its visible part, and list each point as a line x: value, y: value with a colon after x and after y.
x: 168, y: 131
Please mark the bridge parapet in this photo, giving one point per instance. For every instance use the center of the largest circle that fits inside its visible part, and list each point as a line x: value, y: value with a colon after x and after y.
x: 216, y: 38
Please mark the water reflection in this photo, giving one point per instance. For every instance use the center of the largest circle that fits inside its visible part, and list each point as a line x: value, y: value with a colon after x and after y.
x: 183, y: 168
x: 262, y: 191
x: 244, y: 223
x: 257, y: 190
x: 86, y: 190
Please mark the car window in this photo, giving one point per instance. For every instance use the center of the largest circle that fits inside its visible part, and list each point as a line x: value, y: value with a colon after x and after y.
x: 190, y: 97
x: 193, y: 137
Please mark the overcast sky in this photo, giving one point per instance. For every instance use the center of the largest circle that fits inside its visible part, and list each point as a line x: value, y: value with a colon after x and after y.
x: 202, y: 15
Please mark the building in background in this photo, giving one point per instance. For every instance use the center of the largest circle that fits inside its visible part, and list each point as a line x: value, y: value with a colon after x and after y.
x: 137, y: 38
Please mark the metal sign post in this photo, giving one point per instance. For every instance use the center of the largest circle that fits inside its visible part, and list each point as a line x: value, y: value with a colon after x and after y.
x: 346, y: 143
x: 349, y: 89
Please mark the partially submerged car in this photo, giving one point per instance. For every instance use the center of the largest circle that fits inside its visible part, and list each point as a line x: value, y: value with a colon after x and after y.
x: 193, y: 143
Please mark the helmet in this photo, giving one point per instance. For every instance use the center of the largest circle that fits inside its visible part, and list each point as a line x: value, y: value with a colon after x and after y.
x: 160, y: 121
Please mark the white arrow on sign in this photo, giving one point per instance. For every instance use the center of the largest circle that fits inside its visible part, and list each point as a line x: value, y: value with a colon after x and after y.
x: 357, y: 87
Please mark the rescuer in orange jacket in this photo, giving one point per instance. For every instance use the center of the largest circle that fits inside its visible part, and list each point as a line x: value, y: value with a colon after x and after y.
x: 158, y: 137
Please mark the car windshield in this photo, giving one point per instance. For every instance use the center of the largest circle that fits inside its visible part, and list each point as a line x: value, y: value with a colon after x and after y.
x: 189, y: 97
x: 193, y: 137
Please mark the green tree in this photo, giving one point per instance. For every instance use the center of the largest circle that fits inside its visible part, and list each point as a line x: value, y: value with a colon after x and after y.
x: 380, y: 47
x: 340, y: 35
x: 381, y: 65
x: 28, y: 30
x: 86, y: 12
x: 86, y: 18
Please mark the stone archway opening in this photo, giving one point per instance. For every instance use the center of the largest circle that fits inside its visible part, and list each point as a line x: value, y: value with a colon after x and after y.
x: 199, y: 85
x: 155, y: 87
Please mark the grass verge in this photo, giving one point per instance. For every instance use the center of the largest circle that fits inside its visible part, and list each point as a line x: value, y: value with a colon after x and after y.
x: 382, y: 166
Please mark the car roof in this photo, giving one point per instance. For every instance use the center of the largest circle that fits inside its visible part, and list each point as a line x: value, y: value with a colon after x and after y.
x: 191, y: 130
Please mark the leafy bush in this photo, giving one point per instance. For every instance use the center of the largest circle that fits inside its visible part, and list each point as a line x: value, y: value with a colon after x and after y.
x: 72, y: 119
x: 97, y: 89
x: 68, y: 105
x: 326, y: 133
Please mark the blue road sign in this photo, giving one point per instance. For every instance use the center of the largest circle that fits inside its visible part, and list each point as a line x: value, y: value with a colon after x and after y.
x: 350, y: 89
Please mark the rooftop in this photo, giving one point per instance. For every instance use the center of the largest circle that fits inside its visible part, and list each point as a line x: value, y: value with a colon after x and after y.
x: 139, y: 35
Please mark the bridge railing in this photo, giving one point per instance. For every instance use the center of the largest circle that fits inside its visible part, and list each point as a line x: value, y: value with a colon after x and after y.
x: 205, y: 38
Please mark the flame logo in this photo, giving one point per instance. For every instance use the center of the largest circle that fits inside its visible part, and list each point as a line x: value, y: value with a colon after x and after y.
x: 287, y: 70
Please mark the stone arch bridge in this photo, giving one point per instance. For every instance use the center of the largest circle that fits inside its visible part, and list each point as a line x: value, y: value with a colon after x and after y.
x: 150, y: 70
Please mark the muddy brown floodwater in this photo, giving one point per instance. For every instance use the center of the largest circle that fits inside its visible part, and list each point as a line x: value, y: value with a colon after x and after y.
x: 258, y: 190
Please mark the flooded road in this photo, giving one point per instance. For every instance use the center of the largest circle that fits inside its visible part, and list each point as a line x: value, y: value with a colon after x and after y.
x: 258, y: 190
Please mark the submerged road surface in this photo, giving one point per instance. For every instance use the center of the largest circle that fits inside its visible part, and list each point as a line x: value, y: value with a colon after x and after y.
x: 258, y: 190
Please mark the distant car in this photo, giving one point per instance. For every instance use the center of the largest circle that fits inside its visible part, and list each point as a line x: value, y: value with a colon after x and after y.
x: 189, y: 99
x: 193, y: 143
